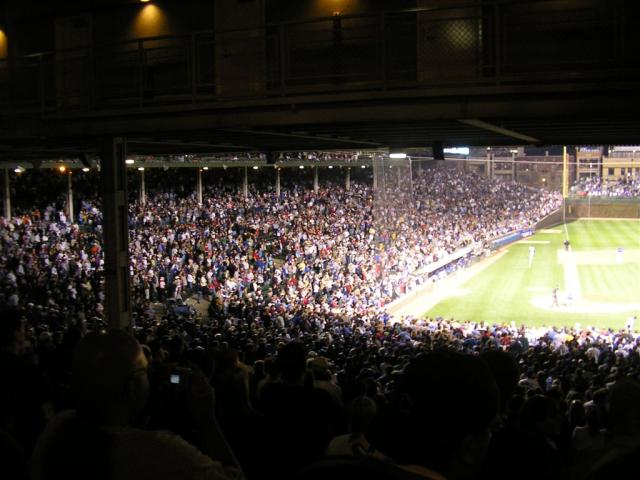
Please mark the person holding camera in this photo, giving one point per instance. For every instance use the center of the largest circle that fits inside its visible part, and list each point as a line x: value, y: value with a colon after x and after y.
x: 102, y: 438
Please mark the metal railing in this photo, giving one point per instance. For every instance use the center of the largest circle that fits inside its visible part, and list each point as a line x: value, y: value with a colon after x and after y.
x: 482, y: 44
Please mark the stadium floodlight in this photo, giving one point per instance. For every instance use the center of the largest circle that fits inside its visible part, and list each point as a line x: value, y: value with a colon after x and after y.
x: 398, y: 155
x: 129, y: 161
x: 457, y: 150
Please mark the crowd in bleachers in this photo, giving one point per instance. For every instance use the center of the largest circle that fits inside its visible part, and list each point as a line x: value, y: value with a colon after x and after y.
x: 628, y: 187
x: 312, y: 156
x: 323, y: 253
x: 298, y: 359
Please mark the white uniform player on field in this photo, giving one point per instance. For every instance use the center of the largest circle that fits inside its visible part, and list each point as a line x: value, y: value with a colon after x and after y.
x: 532, y: 253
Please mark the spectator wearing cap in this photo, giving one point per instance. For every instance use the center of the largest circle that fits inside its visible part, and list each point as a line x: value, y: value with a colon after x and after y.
x: 324, y: 379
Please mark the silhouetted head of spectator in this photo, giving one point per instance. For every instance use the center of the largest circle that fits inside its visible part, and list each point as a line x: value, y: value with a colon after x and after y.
x: 506, y: 372
x: 540, y: 416
x: 448, y: 404
x: 271, y: 367
x: 320, y: 368
x: 12, y: 334
x: 624, y: 408
x: 110, y: 378
x: 361, y: 412
x: 576, y: 413
x: 292, y: 362
x: 175, y: 347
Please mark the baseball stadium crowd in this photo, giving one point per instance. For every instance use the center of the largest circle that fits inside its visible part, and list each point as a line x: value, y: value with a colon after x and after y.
x: 623, y: 187
x: 311, y: 156
x: 297, y: 371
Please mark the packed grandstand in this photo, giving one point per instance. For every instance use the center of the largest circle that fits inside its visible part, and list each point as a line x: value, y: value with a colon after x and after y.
x: 306, y: 362
x: 622, y: 187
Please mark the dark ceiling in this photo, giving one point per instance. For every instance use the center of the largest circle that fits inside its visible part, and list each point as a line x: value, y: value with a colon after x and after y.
x: 372, y: 121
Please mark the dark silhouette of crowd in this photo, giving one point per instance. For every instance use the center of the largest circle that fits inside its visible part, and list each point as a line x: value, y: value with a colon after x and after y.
x: 298, y: 371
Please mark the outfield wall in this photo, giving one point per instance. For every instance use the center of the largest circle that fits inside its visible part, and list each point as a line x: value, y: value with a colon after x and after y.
x: 602, y: 208
x: 551, y: 220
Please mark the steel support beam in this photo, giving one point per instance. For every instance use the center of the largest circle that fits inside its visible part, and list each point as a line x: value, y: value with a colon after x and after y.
x: 499, y: 130
x: 70, y: 212
x: 315, y: 179
x: 143, y: 189
x: 7, y: 195
x: 245, y: 182
x: 113, y: 174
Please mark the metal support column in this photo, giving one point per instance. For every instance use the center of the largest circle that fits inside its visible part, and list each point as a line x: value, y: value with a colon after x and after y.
x: 245, y: 183
x: 70, y: 197
x: 411, y: 182
x: 199, y: 186
x: 315, y: 179
x: 7, y: 195
x: 143, y: 188
x: 117, y: 305
x: 348, y: 181
x: 278, y: 182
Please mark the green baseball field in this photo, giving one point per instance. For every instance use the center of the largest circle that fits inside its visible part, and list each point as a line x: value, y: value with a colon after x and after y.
x: 598, y: 279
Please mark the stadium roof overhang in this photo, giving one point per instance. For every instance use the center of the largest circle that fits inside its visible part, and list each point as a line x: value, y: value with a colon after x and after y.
x: 515, y: 115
